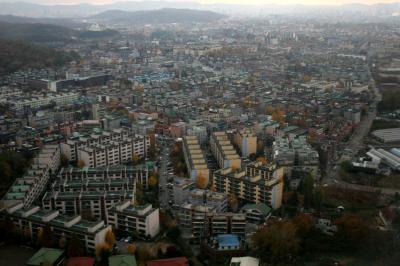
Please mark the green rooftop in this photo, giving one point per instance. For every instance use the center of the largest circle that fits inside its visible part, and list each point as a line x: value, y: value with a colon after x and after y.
x: 122, y: 260
x: 46, y: 256
x: 261, y: 207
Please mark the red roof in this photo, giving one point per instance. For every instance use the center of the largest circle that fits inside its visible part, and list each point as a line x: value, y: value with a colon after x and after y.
x: 80, y: 261
x: 180, y: 261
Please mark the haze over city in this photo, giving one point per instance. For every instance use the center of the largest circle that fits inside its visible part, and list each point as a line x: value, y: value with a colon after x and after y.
x: 210, y: 132
x: 248, y: 2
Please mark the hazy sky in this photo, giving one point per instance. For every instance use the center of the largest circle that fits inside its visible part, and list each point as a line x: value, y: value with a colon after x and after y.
x: 245, y: 2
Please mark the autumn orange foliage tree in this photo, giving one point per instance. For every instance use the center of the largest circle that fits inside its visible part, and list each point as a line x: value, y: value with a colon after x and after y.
x: 131, y: 248
x: 276, y: 242
x: 201, y: 181
x: 352, y: 230
x: 153, y: 180
x: 262, y: 160
x: 279, y: 116
x: 110, y: 238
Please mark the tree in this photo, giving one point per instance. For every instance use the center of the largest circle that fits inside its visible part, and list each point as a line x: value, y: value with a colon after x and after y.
x: 64, y: 160
x: 262, y: 160
x: 75, y: 247
x: 303, y: 223
x: 352, y: 230
x: 346, y: 166
x: 307, y: 78
x: 81, y: 164
x: 131, y: 248
x: 276, y: 242
x: 293, y: 199
x: 62, y: 242
x: 152, y: 151
x: 26, y: 234
x: 135, y: 158
x: 5, y: 170
x: 139, y: 193
x: 233, y: 202
x: 153, y: 181
x: 174, y: 232
x: 87, y: 215
x: 103, y: 251
x: 110, y: 238
x: 260, y: 147
x: 308, y: 189
x: 143, y: 254
x: 279, y: 116
x: 269, y: 110
x: 45, y: 236
x: 201, y: 181
x: 318, y: 198
x: 213, y: 188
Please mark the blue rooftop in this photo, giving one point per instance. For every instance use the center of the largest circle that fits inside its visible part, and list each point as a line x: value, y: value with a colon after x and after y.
x: 228, y: 240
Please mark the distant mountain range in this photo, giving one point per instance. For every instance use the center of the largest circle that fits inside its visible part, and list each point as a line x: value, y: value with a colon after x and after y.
x: 166, y: 15
x: 84, y: 10
x: 64, y: 22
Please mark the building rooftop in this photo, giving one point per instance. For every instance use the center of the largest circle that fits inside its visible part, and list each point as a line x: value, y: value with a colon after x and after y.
x: 180, y: 261
x: 80, y: 261
x: 244, y: 261
x: 122, y: 260
x: 45, y: 256
x: 228, y: 240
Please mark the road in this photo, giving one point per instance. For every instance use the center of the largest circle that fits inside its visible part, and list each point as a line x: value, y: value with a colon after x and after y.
x: 354, y: 145
x: 387, y: 191
x: 163, y: 177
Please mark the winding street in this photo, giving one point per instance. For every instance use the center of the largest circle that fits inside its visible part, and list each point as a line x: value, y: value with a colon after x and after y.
x: 354, y: 145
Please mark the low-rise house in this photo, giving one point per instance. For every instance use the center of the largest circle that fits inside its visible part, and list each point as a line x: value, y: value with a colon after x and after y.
x: 122, y: 260
x: 47, y: 256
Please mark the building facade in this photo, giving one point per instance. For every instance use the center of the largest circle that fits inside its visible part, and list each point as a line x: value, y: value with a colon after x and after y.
x: 127, y: 218
x: 29, y: 187
x: 223, y: 151
x: 256, y: 184
x: 194, y: 158
x: 31, y: 220
x: 103, y: 148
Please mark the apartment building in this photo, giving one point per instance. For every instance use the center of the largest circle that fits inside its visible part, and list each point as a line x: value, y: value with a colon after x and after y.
x: 127, y: 218
x: 31, y: 219
x: 256, y: 184
x: 246, y: 141
x: 105, y: 174
x: 212, y: 224
x: 8, y: 92
x: 256, y: 213
x: 35, y: 102
x: 93, y: 185
x: 102, y: 147
x: 112, y: 153
x: 32, y: 184
x: 296, y: 154
x: 198, y: 201
x: 96, y: 203
x: 223, y: 151
x: 194, y: 158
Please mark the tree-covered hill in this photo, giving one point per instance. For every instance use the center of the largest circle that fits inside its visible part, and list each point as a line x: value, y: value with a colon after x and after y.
x: 16, y: 55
